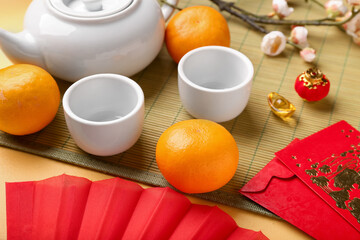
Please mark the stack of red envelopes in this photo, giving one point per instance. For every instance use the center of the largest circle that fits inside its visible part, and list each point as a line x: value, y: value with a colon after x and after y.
x: 314, y: 183
x: 68, y: 207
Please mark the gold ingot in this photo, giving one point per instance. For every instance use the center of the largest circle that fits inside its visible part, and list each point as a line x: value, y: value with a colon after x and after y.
x: 280, y: 106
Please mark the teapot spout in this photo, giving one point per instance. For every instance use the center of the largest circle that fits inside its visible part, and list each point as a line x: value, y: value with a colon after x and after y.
x: 21, y: 48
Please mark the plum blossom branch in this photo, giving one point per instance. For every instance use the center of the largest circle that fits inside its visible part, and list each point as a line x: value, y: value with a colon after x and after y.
x: 253, y: 19
x: 274, y: 42
x: 318, y: 22
x: 248, y: 13
x: 240, y: 13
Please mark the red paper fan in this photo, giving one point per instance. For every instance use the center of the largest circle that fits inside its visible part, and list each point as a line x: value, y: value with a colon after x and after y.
x: 67, y: 207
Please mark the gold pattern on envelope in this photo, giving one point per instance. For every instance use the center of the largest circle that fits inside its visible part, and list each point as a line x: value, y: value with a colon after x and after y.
x: 339, y: 176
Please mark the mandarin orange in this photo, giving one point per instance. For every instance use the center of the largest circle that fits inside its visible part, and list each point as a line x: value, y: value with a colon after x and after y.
x: 195, y: 27
x: 29, y: 99
x: 197, y: 156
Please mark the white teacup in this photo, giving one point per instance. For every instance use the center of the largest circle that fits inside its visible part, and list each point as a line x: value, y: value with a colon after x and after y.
x: 215, y: 82
x: 104, y: 113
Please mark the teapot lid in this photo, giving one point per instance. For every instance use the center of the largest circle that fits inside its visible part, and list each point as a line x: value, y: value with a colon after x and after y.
x: 90, y: 8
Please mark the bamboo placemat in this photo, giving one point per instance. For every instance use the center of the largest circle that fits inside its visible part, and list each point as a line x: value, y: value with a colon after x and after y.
x: 257, y: 131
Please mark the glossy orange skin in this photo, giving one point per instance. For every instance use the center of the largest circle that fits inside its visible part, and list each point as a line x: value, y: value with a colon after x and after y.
x: 197, y: 156
x: 195, y: 27
x: 29, y: 99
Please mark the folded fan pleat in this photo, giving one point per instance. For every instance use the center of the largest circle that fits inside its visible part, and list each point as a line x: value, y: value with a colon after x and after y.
x: 19, y: 210
x: 204, y: 223
x: 157, y: 214
x: 109, y: 208
x: 59, y: 204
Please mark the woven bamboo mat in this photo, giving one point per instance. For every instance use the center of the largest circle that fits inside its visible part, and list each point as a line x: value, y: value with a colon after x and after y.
x: 257, y: 131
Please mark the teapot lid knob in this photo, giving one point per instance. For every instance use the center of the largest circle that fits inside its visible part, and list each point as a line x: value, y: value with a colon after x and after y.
x: 93, y: 5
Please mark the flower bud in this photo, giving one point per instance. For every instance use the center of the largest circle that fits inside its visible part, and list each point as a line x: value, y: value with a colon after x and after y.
x: 308, y: 54
x: 273, y: 43
x: 281, y: 8
x: 335, y: 8
x: 299, y: 36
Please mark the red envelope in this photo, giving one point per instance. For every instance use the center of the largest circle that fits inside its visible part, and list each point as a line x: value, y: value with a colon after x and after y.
x: 292, y: 197
x: 328, y: 162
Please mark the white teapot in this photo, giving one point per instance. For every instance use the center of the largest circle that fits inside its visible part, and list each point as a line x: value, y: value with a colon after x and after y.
x: 72, y: 39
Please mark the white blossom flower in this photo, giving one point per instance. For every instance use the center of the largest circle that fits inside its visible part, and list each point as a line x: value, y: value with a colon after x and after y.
x: 281, y: 8
x: 308, y: 54
x: 335, y: 8
x: 353, y: 2
x: 299, y: 36
x: 273, y: 43
x: 353, y: 28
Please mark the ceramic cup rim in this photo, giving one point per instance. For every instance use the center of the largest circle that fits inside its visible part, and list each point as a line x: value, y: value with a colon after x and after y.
x: 139, y: 94
x: 248, y: 78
